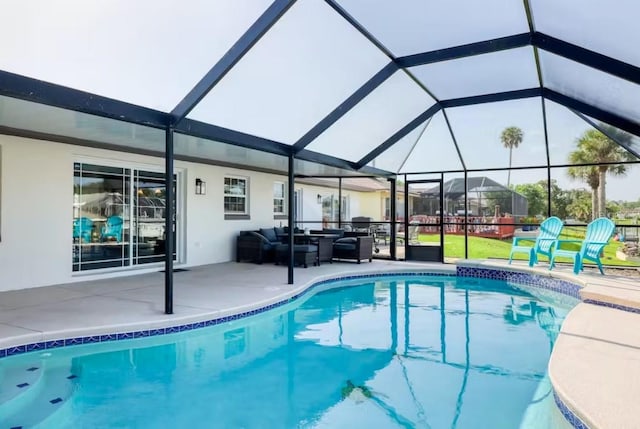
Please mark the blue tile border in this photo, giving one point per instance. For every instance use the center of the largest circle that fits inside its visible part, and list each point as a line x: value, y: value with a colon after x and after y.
x: 569, y: 415
x: 612, y: 305
x: 57, y: 343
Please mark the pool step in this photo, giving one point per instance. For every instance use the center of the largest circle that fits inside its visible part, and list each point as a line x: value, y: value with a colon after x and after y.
x: 34, y: 402
x: 15, y: 381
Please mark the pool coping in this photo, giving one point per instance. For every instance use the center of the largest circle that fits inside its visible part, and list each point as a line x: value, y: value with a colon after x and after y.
x: 558, y: 281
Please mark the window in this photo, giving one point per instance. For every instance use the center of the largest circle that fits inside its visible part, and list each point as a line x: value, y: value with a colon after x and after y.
x: 235, y: 195
x: 278, y: 198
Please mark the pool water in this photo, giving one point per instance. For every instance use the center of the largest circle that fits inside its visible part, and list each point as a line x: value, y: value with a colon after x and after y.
x: 416, y: 351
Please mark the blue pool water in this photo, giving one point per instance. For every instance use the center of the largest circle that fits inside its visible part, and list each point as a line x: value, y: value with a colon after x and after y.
x: 426, y: 352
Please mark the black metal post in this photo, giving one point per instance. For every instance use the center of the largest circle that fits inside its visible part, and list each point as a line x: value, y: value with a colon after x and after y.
x: 169, y: 244
x: 392, y: 219
x: 441, y: 218
x: 406, y: 217
x: 292, y: 218
x: 466, y: 215
x: 339, y: 202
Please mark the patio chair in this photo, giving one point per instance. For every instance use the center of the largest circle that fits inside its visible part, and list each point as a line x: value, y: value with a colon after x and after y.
x: 112, y: 229
x: 599, y: 231
x: 82, y: 229
x: 549, y: 231
x: 412, y: 233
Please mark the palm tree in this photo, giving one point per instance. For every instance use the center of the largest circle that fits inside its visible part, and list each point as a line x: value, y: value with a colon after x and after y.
x: 595, y: 147
x: 511, y: 138
x: 588, y: 174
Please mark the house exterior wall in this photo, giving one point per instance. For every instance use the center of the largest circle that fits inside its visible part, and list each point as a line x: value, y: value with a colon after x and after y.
x: 37, y: 211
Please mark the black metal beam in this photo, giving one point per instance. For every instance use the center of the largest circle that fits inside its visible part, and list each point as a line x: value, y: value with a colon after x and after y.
x: 607, y: 133
x: 587, y: 57
x: 595, y: 112
x: 399, y: 135
x: 345, y: 106
x: 492, y: 98
x: 213, y: 132
x: 361, y: 29
x: 37, y: 91
x: 468, y: 50
x: 231, y: 58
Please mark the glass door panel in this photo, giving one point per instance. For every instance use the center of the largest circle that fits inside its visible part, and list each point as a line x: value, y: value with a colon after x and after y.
x: 423, y: 229
x: 148, y: 233
x: 101, y: 208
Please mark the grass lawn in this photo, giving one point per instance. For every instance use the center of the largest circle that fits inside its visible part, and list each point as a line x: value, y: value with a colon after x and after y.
x: 485, y: 248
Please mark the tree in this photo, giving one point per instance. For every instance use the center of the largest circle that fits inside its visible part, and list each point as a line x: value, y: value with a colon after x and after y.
x: 578, y: 208
x: 595, y: 147
x: 588, y: 174
x: 511, y: 138
x: 536, y: 195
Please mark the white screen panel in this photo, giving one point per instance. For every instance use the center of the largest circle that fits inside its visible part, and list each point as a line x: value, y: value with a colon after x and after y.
x: 481, y: 74
x: 382, y: 113
x: 393, y: 158
x: 564, y: 129
x: 435, y: 151
x: 478, y: 131
x: 592, y: 86
x: 29, y: 116
x: 146, y: 52
x: 610, y: 28
x: 411, y: 26
x: 301, y: 70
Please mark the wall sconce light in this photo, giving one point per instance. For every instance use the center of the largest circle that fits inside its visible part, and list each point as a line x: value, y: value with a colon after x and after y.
x: 201, y: 187
x: 319, y: 199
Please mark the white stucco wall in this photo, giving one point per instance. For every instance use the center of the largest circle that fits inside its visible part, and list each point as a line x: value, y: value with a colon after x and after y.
x: 37, y: 210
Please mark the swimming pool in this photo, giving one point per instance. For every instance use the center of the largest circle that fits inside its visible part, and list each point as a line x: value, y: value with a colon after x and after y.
x: 404, y: 351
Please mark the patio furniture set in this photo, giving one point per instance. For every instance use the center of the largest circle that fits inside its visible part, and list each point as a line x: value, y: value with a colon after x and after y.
x: 599, y: 232
x: 310, y: 248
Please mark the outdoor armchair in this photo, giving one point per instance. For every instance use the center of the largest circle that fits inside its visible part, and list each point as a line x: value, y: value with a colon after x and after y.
x: 599, y: 231
x: 112, y: 229
x: 549, y: 231
x: 82, y: 229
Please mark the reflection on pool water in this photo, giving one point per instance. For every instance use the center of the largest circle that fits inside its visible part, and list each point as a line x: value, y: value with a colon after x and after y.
x: 428, y: 352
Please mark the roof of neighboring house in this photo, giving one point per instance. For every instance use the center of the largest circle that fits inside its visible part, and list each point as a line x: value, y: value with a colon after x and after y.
x: 455, y: 187
x: 364, y: 184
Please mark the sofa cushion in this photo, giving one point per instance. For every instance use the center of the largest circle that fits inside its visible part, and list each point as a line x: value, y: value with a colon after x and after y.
x: 269, y: 234
x: 336, y: 231
x: 280, y: 231
x: 348, y: 240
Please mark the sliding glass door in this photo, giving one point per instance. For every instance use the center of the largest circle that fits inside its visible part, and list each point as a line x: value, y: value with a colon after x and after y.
x: 118, y: 217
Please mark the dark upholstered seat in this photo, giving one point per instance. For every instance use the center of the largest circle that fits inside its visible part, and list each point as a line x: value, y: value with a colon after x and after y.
x: 303, y: 254
x: 358, y: 248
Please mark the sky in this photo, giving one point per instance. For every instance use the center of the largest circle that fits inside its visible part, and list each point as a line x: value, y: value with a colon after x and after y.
x: 312, y: 60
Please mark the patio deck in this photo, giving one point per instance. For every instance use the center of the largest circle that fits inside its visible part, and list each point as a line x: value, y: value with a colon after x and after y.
x: 598, y: 346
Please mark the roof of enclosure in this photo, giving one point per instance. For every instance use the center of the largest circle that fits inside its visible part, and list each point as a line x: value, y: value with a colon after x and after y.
x: 347, y: 86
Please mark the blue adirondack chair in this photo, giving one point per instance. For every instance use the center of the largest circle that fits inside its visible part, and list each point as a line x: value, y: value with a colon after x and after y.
x: 599, y: 231
x: 82, y: 229
x: 112, y: 229
x: 549, y: 231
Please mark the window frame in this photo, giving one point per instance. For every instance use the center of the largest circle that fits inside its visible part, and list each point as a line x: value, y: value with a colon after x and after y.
x: 236, y: 214
x: 283, y: 213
